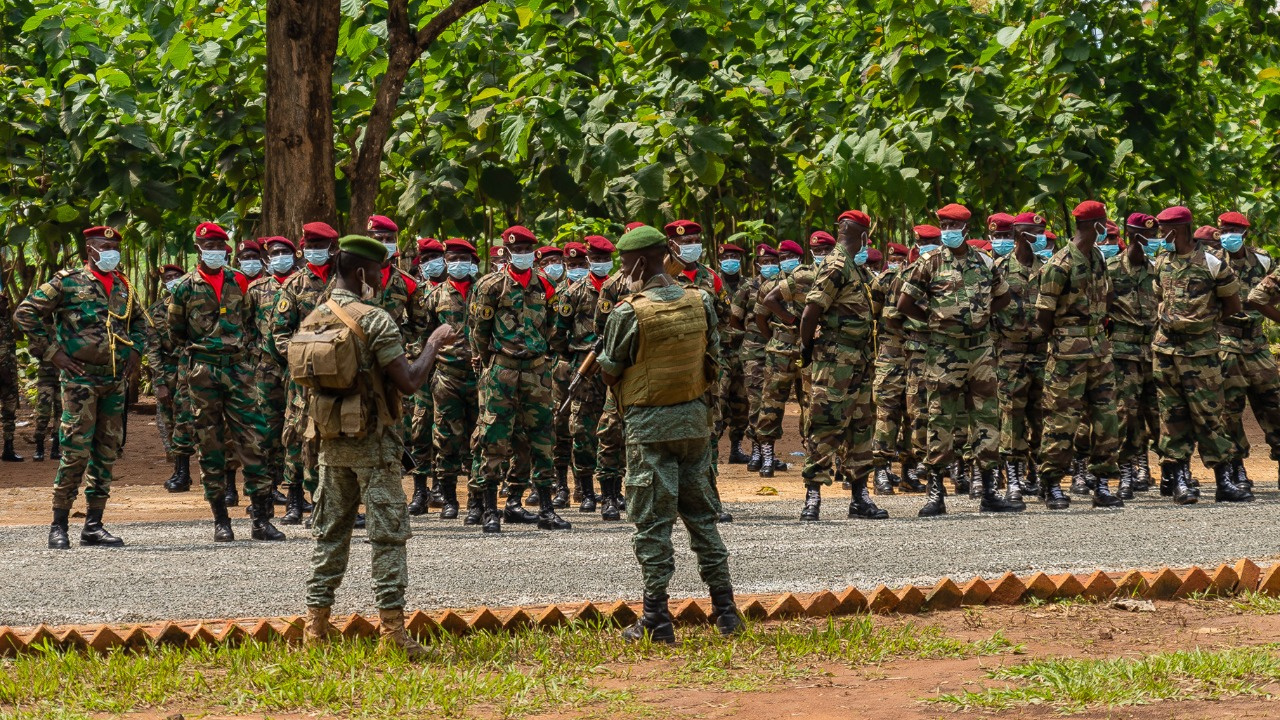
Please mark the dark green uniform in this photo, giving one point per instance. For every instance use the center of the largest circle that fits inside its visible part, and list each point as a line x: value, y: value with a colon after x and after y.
x: 161, y: 342
x: 298, y: 296
x: 269, y: 371
x: 1133, y: 318
x: 1248, y: 370
x: 455, y: 408
x: 574, y: 338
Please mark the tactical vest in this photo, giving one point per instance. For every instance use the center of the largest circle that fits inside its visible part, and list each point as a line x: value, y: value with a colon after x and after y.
x: 670, y: 365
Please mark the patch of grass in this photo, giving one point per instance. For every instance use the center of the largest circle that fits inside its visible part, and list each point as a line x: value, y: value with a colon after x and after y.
x: 1255, y: 603
x: 1072, y: 685
x: 492, y: 674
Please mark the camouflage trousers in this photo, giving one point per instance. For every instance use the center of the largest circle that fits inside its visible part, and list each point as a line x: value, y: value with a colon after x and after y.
x: 892, y: 431
x: 781, y: 379
x: 339, y: 493
x: 453, y: 396
x: 666, y: 481
x: 1189, y: 393
x: 753, y: 378
x: 1136, y: 407
x: 516, y: 423
x: 584, y: 422
x: 841, y: 416
x: 92, y: 430
x: 300, y: 454
x: 917, y: 403
x: 961, y: 384
x: 562, y: 372
x: 48, y: 397
x: 611, y: 445
x: 1251, y: 378
x: 225, y: 410
x: 735, y: 409
x: 1079, y: 396
x: 9, y: 391
x: 164, y: 411
x: 269, y: 377
x: 1020, y: 378
x: 421, y: 440
x: 182, y: 441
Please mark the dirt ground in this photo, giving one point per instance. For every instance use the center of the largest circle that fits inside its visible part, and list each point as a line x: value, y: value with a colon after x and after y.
x: 138, y: 493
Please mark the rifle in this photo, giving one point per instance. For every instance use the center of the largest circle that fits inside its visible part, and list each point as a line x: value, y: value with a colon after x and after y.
x: 588, y: 368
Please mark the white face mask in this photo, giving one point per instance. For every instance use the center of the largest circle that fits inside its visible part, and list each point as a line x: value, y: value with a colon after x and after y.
x: 459, y: 269
x: 316, y: 256
x: 281, y: 264
x: 602, y: 269
x: 555, y: 271
x: 690, y: 253
x: 108, y: 260
x: 251, y: 268
x: 213, y: 259
x: 522, y: 261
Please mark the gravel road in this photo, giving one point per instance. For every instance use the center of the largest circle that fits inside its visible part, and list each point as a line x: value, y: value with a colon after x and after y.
x: 173, y: 570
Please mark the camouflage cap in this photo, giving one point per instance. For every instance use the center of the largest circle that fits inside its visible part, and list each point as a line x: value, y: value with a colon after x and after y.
x: 363, y: 246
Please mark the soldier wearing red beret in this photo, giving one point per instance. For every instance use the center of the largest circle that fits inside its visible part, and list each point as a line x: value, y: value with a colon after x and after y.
x: 1132, y: 311
x: 777, y: 316
x: 751, y: 350
x: 249, y: 258
x: 168, y: 410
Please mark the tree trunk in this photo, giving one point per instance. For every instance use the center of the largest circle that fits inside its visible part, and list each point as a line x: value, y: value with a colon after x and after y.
x: 302, y: 41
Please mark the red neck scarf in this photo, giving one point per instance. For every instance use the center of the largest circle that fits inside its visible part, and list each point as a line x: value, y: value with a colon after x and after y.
x: 321, y: 271
x: 215, y: 280
x: 521, y: 277
x: 105, y: 278
x: 691, y: 274
x: 462, y: 286
x: 597, y: 282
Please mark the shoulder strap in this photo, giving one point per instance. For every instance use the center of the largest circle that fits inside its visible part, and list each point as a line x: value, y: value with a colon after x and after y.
x: 341, y: 313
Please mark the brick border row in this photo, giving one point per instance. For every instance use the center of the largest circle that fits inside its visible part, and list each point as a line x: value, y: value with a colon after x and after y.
x: 1008, y: 589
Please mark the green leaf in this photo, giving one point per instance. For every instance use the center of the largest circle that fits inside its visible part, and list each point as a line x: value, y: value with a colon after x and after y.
x: 711, y: 139
x: 1009, y: 35
x: 689, y: 40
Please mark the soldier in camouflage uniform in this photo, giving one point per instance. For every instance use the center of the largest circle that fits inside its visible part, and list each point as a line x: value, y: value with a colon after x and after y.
x: 87, y: 322
x: 550, y: 261
x: 1248, y: 370
x: 667, y: 428
x: 1079, y: 379
x: 891, y: 440
x: 955, y: 291
x: 210, y: 322
x: 742, y: 317
x: 9, y: 382
x: 166, y: 375
x: 269, y: 369
x: 733, y: 386
x: 422, y: 445
x: 510, y: 315
x: 778, y: 317
x: 48, y: 410
x: 1194, y: 290
x: 841, y: 419
x: 1265, y: 296
x: 365, y: 468
x: 1133, y: 317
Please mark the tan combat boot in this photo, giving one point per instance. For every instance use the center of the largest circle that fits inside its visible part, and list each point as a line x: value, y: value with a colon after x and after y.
x: 392, y: 633
x: 318, y: 628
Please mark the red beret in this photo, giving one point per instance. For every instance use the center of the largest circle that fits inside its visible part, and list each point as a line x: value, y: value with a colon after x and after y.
x: 382, y: 223
x: 1000, y: 222
x: 101, y: 231
x: 730, y: 247
x: 954, y: 211
x: 680, y: 228
x: 459, y: 245
x: 249, y: 245
x: 575, y: 249
x: 266, y: 242
x: 927, y: 232
x: 172, y: 268
x: 599, y: 243
x: 547, y: 250
x: 426, y: 245
x: 822, y: 238
x: 898, y: 249
x: 1233, y: 218
x: 874, y: 256
x: 210, y: 231
x: 517, y: 233
x: 1176, y: 215
x: 1050, y: 235
x: 1207, y: 232
x: 766, y: 250
x: 1090, y: 210
x: 1112, y: 229
x: 855, y: 215
x: 980, y: 244
x: 633, y: 225
x: 497, y: 251
x: 318, y: 231
x: 790, y: 246
x: 1141, y: 221
x: 1027, y: 218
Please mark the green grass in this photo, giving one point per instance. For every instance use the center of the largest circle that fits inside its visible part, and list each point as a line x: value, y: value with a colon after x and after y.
x: 490, y: 674
x: 1255, y: 603
x: 1073, y: 685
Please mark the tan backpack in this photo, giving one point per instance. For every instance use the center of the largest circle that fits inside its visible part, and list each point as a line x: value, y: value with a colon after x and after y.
x: 324, y: 355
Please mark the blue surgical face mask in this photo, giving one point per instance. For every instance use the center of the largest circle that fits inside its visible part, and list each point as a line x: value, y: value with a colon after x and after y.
x: 555, y: 271
x: 768, y: 271
x: 251, y: 268
x: 171, y: 284
x: 1109, y: 251
x: 1044, y: 254
x: 953, y: 238
x: 730, y: 267
x: 819, y: 259
x: 392, y: 249
x: 1101, y: 230
x: 316, y: 256
x: 1153, y: 247
x: 860, y: 257
x: 789, y: 265
x: 475, y: 270
x: 281, y: 264
x: 108, y: 260
x: 602, y: 269
x: 1232, y: 242
x: 522, y: 261
x: 577, y: 273
x: 1001, y: 246
x: 691, y: 253
x: 213, y: 259
x: 459, y: 269
x: 1040, y: 243
x: 433, y: 268
x: 926, y: 249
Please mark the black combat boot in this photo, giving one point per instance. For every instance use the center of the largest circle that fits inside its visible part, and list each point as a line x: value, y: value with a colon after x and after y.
x: 1079, y: 485
x: 9, y: 455
x: 1013, y: 485
x: 264, y: 508
x: 278, y: 497
x: 492, y: 516
x: 475, y: 507
x: 1241, y: 476
x: 434, y: 498
x: 1054, y: 498
x: 1168, y: 477
x: 884, y: 485
x: 515, y: 513
x: 753, y: 464
x: 911, y: 479
x: 418, y: 503
x: 55, y: 447
x: 610, y: 509
x: 959, y: 473
x: 93, y: 534
x: 360, y: 522
x: 38, y: 455
x: 736, y: 456
x: 232, y: 497
x: 1030, y: 476
x: 722, y: 517
x: 1182, y: 490
x: 1141, y: 473
x: 180, y: 480
x: 654, y: 624
x: 293, y: 506
x: 724, y: 612
x: 547, y: 517
x: 1102, y: 497
x: 560, y: 498
x: 1227, y: 490
x: 586, y: 488
x: 1125, y: 490
x: 221, y: 521
x: 975, y: 481
x: 58, y: 530
x: 861, y: 505
x: 449, y: 491
x: 812, y: 501
x: 990, y: 500
x: 935, y: 502
x: 766, y: 459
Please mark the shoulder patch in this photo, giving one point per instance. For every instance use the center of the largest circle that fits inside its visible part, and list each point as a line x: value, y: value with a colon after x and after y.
x: 605, y: 307
x: 283, y: 305
x: 565, y: 309
x: 1215, y: 265
x: 486, y: 313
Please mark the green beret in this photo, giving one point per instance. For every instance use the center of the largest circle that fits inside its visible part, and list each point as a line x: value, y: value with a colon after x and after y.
x: 365, y: 247
x: 642, y: 237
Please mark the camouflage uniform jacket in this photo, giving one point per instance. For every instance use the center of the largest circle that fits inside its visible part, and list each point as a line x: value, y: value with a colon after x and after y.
x: 1267, y: 291
x: 1132, y: 308
x: 402, y: 298
x: 160, y: 340
x: 912, y: 333
x: 510, y: 320
x: 792, y: 288
x: 1016, y: 323
x: 743, y: 307
x: 443, y: 304
x: 203, y: 324
x: 298, y: 296
x: 611, y: 293
x: 731, y: 339
x: 1075, y: 288
x: 84, y: 320
x: 956, y: 293
x: 575, y: 323
x: 262, y: 305
x: 706, y: 279
x: 1189, y: 290
x: 1243, y: 335
x: 842, y: 288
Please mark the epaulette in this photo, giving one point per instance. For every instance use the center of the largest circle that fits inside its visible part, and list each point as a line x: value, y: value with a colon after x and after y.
x: 1214, y: 264
x: 1264, y: 260
x: 986, y: 259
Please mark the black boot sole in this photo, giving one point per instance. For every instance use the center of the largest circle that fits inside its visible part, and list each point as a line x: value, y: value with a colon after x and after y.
x: 101, y: 543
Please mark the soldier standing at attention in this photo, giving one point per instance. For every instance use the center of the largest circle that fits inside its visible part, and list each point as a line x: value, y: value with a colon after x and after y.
x: 166, y: 376
x: 249, y: 254
x: 1194, y: 290
x: 733, y: 387
x: 742, y: 317
x: 551, y: 262
x: 955, y: 291
x: 782, y: 351
x: 1133, y: 318
x: 841, y: 418
x: 659, y: 356
x: 510, y: 314
x: 891, y: 439
x: 9, y: 381
x: 361, y: 462
x: 269, y: 373
x: 97, y: 335
x: 422, y: 447
x: 48, y: 410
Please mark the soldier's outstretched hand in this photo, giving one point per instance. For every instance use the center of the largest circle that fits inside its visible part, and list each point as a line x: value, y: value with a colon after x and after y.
x: 443, y: 335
